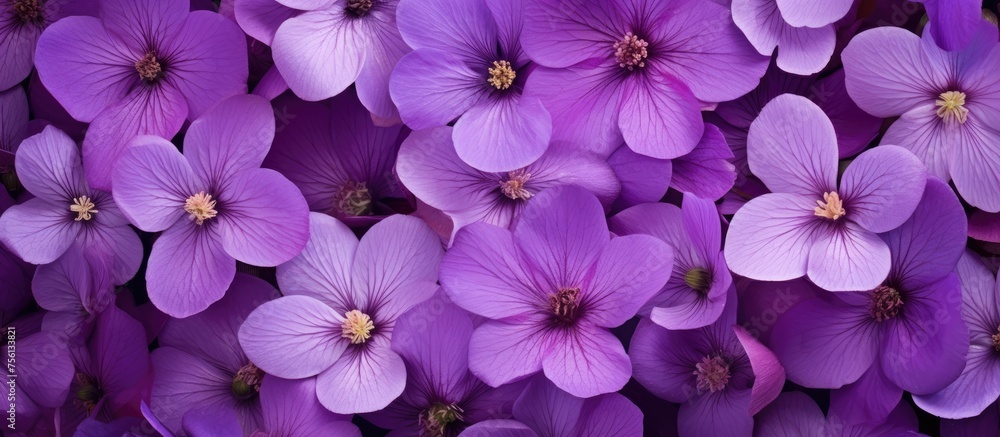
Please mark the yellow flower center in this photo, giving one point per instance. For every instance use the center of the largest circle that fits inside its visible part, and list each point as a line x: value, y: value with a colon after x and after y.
x: 830, y: 207
x: 501, y: 75
x: 951, y: 107
x: 357, y: 326
x: 201, y: 207
x: 83, y: 207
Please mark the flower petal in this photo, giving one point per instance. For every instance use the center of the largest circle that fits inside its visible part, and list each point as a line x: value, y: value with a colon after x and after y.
x: 643, y: 179
x: 630, y: 271
x: 392, y: 259
x: 291, y: 408
x: 459, y: 26
x: 503, y: 135
x: 38, y: 231
x: 920, y: 131
x: 432, y: 88
x: 848, y: 258
x: 805, y: 13
x: 153, y: 182
x: 881, y: 187
x: 870, y: 399
x: 792, y: 147
x: 769, y: 376
x: 260, y: 19
x: 293, y: 337
x: 319, y: 53
x: 584, y: 102
x: 233, y: 135
x: 501, y: 352
x: 48, y: 165
x: 706, y: 171
x: 363, y: 379
x: 770, y: 237
x: 974, y: 165
x: 660, y: 117
x: 588, y: 362
x: 188, y: 269
x: 323, y: 269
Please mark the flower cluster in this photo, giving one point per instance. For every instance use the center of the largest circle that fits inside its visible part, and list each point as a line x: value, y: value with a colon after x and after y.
x: 442, y: 218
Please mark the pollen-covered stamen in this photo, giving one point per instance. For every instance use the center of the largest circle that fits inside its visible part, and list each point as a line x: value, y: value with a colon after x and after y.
x: 246, y: 382
x: 201, y: 207
x: 359, y: 8
x: 886, y: 303
x: 434, y: 420
x: 357, y: 326
x: 513, y: 187
x: 149, y: 68
x: 631, y: 52
x: 831, y: 206
x: 83, y: 207
x: 27, y: 10
x: 698, y: 279
x: 951, y: 107
x: 88, y: 392
x: 564, y: 304
x: 501, y: 75
x: 996, y: 340
x: 712, y: 374
x: 353, y: 199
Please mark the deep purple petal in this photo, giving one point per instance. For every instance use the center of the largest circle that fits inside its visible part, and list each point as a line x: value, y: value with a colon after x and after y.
x: 233, y: 135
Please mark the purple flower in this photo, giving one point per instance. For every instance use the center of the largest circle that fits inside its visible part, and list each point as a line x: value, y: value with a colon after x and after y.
x: 904, y: 334
x: 803, y: 29
x: 796, y: 414
x: 441, y: 398
x: 142, y: 68
x: 469, y: 65
x: 979, y: 384
x: 953, y: 23
x: 337, y: 157
x: 698, y: 287
x: 946, y: 102
x: 552, y: 288
x: 342, y: 299
x: 792, y: 148
x: 65, y: 212
x: 429, y: 167
x: 75, y: 289
x: 200, y: 365
x: 323, y: 46
x: 545, y: 411
x: 21, y: 22
x: 214, y: 204
x: 42, y: 372
x: 641, y: 70
x: 720, y: 374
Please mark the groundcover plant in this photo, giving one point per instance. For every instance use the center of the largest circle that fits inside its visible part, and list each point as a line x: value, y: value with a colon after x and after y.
x: 512, y: 218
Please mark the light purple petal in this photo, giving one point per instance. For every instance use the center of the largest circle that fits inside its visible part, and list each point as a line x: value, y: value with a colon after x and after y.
x: 660, y: 117
x: 319, y: 53
x: 188, y: 269
x: 870, y: 399
x: 463, y: 27
x: 805, y: 13
x: 48, y: 165
x: 953, y: 23
x: 630, y: 271
x: 560, y: 34
x: 771, y: 236
x: 293, y: 337
x: 322, y: 270
x: 610, y: 414
x: 584, y: 102
x: 919, y: 131
x: 792, y: 147
x: 503, y: 135
x: 153, y: 183
x: 260, y: 19
x: 769, y: 376
x: 802, y: 50
x: 587, y: 362
x: 37, y: 231
x: 432, y: 88
x: 210, y: 61
x: 430, y: 168
x: 643, y: 179
x: 184, y: 383
x: 706, y: 171
x: 848, y: 258
x: 433, y: 338
x: 792, y: 414
x: 363, y: 379
x: 265, y: 220
x: 291, y: 408
x: 974, y: 164
x: 501, y: 352
x: 138, y: 20
x: 17, y: 48
x: 233, y: 135
x: 881, y: 187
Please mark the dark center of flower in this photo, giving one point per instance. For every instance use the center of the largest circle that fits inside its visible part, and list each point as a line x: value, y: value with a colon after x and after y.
x: 501, y: 75
x: 149, y: 68
x: 712, y: 374
x: 564, y: 304
x: 435, y: 419
x: 513, y: 187
x: 886, y: 303
x: 246, y: 382
x: 359, y: 8
x: 353, y: 199
x: 88, y: 392
x: 698, y: 279
x: 996, y: 340
x: 631, y: 52
x: 28, y: 10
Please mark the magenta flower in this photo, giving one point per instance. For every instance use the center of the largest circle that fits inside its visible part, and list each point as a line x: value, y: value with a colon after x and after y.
x: 804, y: 30
x: 945, y: 102
x: 545, y: 411
x: 441, y: 398
x: 906, y: 333
x: 552, y: 288
x: 699, y: 285
x: 641, y: 70
x: 430, y: 168
x: 66, y: 212
x: 342, y: 299
x: 213, y: 203
x: 469, y: 65
x: 323, y: 46
x: 142, y: 68
x: 720, y: 374
x: 339, y: 159
x: 807, y: 225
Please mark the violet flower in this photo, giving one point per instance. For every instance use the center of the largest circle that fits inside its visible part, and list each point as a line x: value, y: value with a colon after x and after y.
x: 200, y: 365
x: 641, y: 70
x: 944, y: 100
x: 42, y: 372
x: 545, y: 411
x: 792, y: 148
x: 904, y: 334
x: 75, y: 289
x: 342, y: 299
x: 21, y: 23
x: 324, y: 46
x: 66, y: 212
x: 796, y: 414
x: 979, y: 384
x: 720, y: 374
x: 213, y: 204
x: 699, y: 285
x: 142, y: 68
x: 804, y: 30
x: 552, y: 289
x: 430, y: 168
x: 469, y: 65
x: 441, y: 398
x: 339, y: 159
